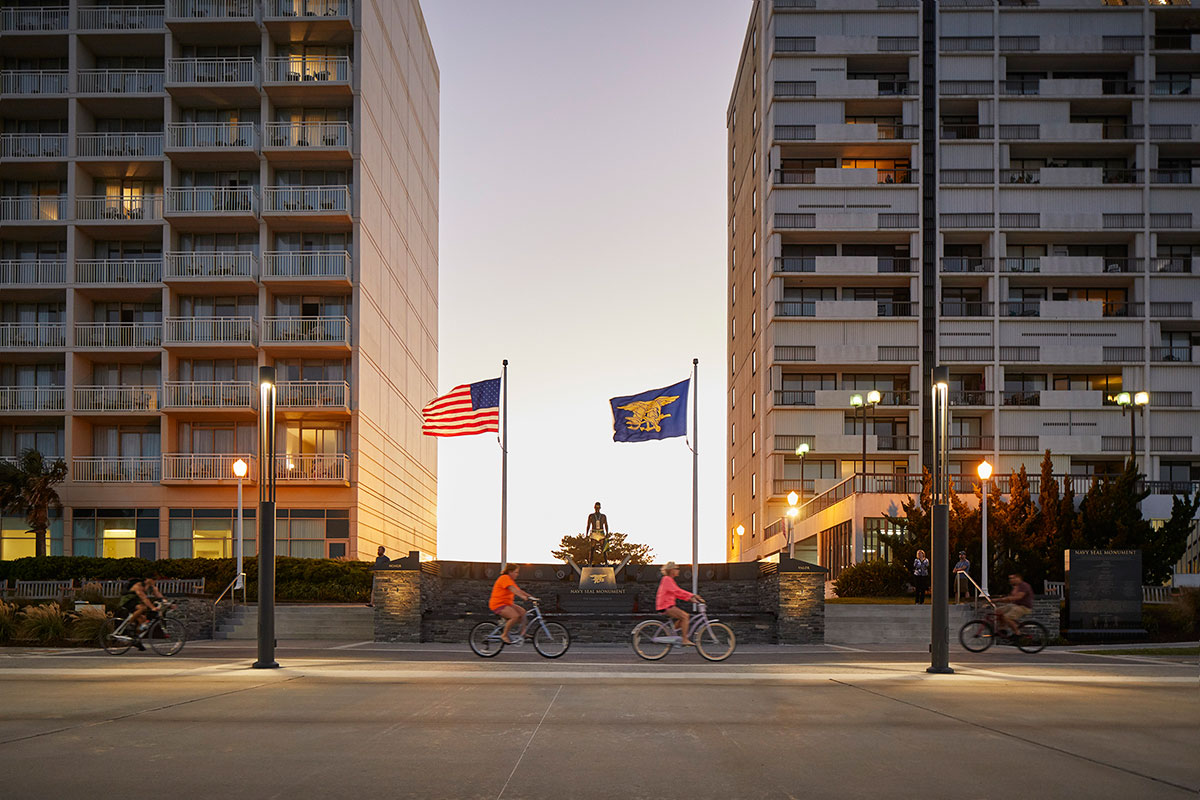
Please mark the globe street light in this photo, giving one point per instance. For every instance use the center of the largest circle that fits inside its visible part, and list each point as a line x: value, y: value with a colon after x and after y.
x: 1133, y: 403
x: 741, y: 531
x: 985, y: 472
x: 240, y: 468
x: 858, y: 402
x: 802, y: 451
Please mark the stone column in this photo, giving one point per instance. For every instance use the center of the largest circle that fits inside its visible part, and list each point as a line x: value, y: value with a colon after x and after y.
x: 801, y: 602
x: 396, y: 595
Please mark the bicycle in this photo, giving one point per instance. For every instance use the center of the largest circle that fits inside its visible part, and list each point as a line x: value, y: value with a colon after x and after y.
x: 550, y: 639
x: 165, y: 634
x: 652, y: 639
x: 979, y: 634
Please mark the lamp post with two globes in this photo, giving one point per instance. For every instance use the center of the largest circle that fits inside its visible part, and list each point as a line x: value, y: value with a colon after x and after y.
x: 1134, y: 403
x: 858, y: 402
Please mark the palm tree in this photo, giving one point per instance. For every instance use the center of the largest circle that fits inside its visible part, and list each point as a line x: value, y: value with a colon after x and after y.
x: 28, y: 487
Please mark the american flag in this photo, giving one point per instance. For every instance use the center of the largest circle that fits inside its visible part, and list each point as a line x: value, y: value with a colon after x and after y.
x: 468, y: 409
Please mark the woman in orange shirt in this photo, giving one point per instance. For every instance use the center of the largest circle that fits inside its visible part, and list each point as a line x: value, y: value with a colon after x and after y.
x: 503, y: 604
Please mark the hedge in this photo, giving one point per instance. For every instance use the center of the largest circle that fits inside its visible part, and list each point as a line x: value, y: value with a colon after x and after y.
x: 872, y: 579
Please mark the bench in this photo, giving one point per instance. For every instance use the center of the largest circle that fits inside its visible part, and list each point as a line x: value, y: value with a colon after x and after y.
x: 43, y: 590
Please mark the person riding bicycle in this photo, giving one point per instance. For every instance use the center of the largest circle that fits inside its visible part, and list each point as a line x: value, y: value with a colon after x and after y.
x: 136, y: 601
x: 668, y: 593
x: 502, y: 602
x: 1015, y: 605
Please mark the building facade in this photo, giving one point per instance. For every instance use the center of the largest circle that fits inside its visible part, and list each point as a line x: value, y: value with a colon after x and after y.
x: 1009, y: 189
x: 191, y: 191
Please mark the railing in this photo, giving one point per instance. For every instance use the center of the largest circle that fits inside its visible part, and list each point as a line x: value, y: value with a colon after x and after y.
x: 1171, y: 86
x: 312, y: 394
x: 957, y: 44
x: 1122, y: 220
x: 1122, y: 175
x: 92, y: 145
x: 1171, y: 400
x: 788, y: 397
x: 1029, y: 176
x: 964, y: 87
x: 895, y: 88
x: 1114, y: 444
x: 118, y: 207
x: 1171, y: 131
x: 1161, y: 310
x: 116, y: 398
x: 1019, y: 444
x: 1021, y: 398
x: 14, y: 272
x: 205, y: 135
x: 796, y: 133
x: 894, y: 264
x: 795, y: 88
x: 898, y: 397
x: 211, y: 9
x: 210, y: 330
x: 966, y: 220
x: 966, y: 308
x: 33, y: 81
x: 119, y: 270
x: 796, y: 308
x: 966, y: 264
x: 212, y: 70
x: 897, y: 220
x: 1176, y: 354
x: 792, y: 177
x: 804, y: 352
x: 308, y: 134
x: 1171, y: 444
x: 967, y: 442
x: 965, y: 353
x: 317, y: 69
x: 795, y: 44
x: 213, y: 200
x: 1120, y: 354
x: 965, y: 176
x: 1174, y: 176
x: 966, y: 130
x: 896, y: 175
x: 970, y: 397
x: 887, y: 352
x: 33, y: 334
x: 26, y: 208
x: 1030, y: 354
x: 1015, y: 264
x: 886, y: 131
x: 1171, y: 41
x: 892, y: 443
x: 16, y: 19
x: 118, y: 334
x: 795, y: 220
x: 308, y: 8
x: 789, y: 5
x: 209, y: 394
x: 203, y: 466
x: 302, y: 330
x: 1021, y: 308
x: 210, y: 264
x: 1119, y: 309
x: 895, y: 308
x: 796, y: 264
x: 284, y: 264
x: 312, y: 467
x: 896, y: 44
x: 116, y: 469
x: 121, y: 18
x: 120, y: 81
x: 32, y: 398
x: 1171, y: 220
x: 307, y: 199
x: 782, y: 487
x: 33, y: 145
x: 1178, y: 265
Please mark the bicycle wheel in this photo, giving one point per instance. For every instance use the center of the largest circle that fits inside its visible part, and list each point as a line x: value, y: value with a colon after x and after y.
x: 551, y: 639
x: 1032, y: 637
x: 166, y: 636
x: 643, y: 637
x: 715, y: 641
x: 112, y: 643
x: 977, y: 635
x: 483, y: 642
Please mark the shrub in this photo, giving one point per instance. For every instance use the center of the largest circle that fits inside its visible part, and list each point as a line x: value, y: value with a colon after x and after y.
x: 872, y: 579
x: 9, y: 616
x: 88, y: 624
x: 90, y: 593
x: 44, y: 624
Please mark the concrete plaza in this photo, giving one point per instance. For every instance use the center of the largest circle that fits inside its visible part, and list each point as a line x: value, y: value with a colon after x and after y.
x: 370, y: 720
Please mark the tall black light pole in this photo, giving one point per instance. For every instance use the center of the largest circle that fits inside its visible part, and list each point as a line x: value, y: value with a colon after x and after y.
x: 266, y: 519
x: 939, y: 642
x: 857, y: 402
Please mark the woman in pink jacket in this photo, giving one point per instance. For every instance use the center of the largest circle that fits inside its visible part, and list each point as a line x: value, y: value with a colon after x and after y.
x: 668, y: 593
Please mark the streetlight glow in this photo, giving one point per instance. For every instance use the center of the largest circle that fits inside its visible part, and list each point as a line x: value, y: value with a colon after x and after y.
x: 856, y: 401
x: 1141, y: 398
x: 1123, y: 399
x: 802, y: 450
x: 984, y: 470
x: 873, y: 397
x: 741, y: 530
x: 792, y: 498
x: 793, y: 511
x: 240, y: 468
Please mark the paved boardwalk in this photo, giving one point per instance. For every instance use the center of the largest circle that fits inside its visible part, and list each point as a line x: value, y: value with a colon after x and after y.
x: 431, y: 721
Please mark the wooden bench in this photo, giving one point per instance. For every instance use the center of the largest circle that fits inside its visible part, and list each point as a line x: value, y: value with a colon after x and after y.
x: 43, y: 590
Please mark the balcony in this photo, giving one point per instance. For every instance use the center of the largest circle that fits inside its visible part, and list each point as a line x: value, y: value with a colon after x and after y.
x: 1071, y: 265
x: 1021, y: 308
x: 1122, y: 354
x: 203, y: 467
x: 121, y: 18
x: 189, y: 72
x: 834, y: 176
x: 317, y: 395
x: 211, y: 265
x: 1178, y: 355
x: 120, y: 145
x: 307, y: 135
x: 1169, y: 310
x: 314, y: 467
x: 112, y: 399
x: 1171, y: 265
x: 966, y: 308
x: 122, y: 81
x: 31, y: 399
x: 971, y: 397
x: 307, y: 200
x: 221, y: 201
x: 26, y: 273
x: 334, y: 264
x: 893, y: 443
x: 110, y: 335
x: 209, y: 136
x: 325, y: 9
x: 210, y: 10
x: 1019, y: 444
x: 838, y: 309
x: 33, y: 208
x: 26, y: 335
x: 960, y: 353
x: 118, y: 208
x: 306, y: 331
x: 33, y: 81
x: 33, y: 145
x: 29, y: 19
x: 788, y: 397
x: 307, y: 69
x: 1021, y: 398
x: 116, y: 469
x: 969, y: 442
x: 211, y: 330
x: 104, y: 271
x: 968, y: 264
x: 210, y: 394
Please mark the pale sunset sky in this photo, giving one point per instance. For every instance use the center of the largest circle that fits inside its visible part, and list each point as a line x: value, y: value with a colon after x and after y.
x: 583, y: 238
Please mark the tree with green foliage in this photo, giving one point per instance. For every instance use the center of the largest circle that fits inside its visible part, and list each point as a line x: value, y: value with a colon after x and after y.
x: 1167, y: 543
x: 27, y: 488
x: 578, y: 547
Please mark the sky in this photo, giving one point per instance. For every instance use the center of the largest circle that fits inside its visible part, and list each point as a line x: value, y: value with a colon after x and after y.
x: 582, y: 237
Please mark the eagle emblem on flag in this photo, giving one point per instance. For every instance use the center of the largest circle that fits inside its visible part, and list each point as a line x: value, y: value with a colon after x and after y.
x: 647, y: 415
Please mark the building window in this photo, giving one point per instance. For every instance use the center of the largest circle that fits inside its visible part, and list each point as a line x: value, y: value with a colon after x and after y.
x: 733, y: 327
x: 754, y: 282
x: 115, y: 532
x: 733, y: 294
x: 875, y: 543
x: 753, y: 403
x: 732, y: 434
x: 753, y: 442
x: 754, y: 203
x: 754, y: 121
x: 753, y: 362
x: 732, y: 503
x: 732, y: 397
x: 754, y: 163
x: 210, y: 532
x: 753, y: 322
x: 836, y: 546
x: 311, y: 533
x: 753, y: 524
x: 17, y: 541
x: 754, y: 243
x: 753, y: 485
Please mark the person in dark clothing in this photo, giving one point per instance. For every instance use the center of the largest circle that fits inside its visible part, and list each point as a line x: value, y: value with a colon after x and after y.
x: 920, y: 572
x: 382, y: 561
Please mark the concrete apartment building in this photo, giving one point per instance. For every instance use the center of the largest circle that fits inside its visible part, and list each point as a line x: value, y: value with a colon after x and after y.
x: 1010, y: 189
x: 188, y: 192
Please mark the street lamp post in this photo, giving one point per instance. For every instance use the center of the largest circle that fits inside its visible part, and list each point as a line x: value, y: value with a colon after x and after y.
x: 858, y: 402
x: 985, y: 473
x: 802, y: 451
x: 1133, y: 403
x: 266, y: 519
x: 939, y: 643
x: 792, y: 511
x: 739, y: 531
x: 240, y: 468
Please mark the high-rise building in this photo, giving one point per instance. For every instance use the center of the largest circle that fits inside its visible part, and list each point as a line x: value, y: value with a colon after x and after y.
x: 189, y: 192
x: 1005, y: 188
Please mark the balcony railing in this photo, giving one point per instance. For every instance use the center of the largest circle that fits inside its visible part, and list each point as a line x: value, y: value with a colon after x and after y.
x: 1180, y: 310
x: 968, y: 130
x: 1021, y: 308
x: 895, y: 308
x: 210, y: 264
x: 1021, y: 397
x: 307, y: 199
x: 803, y: 352
x: 17, y: 19
x: 210, y: 9
x: 210, y: 330
x: 308, y: 134
x: 118, y: 334
x: 32, y: 334
x: 788, y: 397
x: 966, y: 264
x: 1120, y: 354
x: 966, y: 308
x: 119, y: 270
x: 966, y: 353
x: 121, y: 18
x: 116, y: 398
x: 889, y: 352
x: 331, y: 264
x: 212, y: 71
x: 30, y: 208
x: 795, y: 88
x: 968, y: 442
x: 1171, y: 354
x: 312, y: 467
x: 14, y: 272
x: 124, y: 145
x: 203, y: 200
x: 312, y: 394
x: 1175, y: 176
x: 1019, y: 444
x: 203, y: 466
x: 1178, y: 265
x: 970, y: 397
x: 1028, y: 354
x: 32, y: 398
x: 306, y: 330
x: 315, y: 69
x: 120, y: 81
x: 891, y: 443
x: 33, y: 145
x: 308, y: 8
x: 116, y: 469
x: 209, y: 394
x: 210, y: 135
x: 33, y: 81
x: 795, y: 44
x: 117, y: 207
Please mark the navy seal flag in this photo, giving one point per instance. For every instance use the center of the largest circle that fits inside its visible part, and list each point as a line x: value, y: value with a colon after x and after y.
x: 653, y: 414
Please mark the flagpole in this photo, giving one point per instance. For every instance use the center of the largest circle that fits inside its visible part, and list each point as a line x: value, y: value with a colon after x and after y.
x: 695, y: 480
x: 504, y: 467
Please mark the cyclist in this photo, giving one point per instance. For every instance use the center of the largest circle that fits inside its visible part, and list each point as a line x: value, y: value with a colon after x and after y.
x: 136, y: 600
x: 1015, y: 605
x: 668, y: 593
x: 502, y: 602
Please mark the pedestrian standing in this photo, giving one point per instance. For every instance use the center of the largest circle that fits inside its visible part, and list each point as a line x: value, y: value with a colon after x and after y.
x: 960, y: 576
x: 920, y: 571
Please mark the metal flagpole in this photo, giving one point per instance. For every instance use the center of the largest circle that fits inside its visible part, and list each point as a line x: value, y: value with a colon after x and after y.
x: 504, y: 467
x: 695, y: 481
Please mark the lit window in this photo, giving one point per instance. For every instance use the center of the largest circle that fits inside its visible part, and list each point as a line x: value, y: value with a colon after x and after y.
x: 753, y: 485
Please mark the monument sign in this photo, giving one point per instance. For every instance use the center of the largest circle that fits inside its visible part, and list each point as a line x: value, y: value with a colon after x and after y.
x: 1104, y: 592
